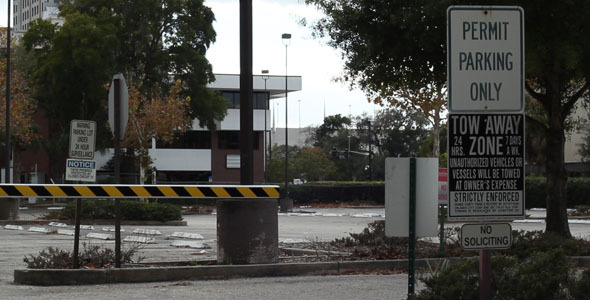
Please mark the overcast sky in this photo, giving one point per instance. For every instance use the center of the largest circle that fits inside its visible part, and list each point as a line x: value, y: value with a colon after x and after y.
x: 317, y: 63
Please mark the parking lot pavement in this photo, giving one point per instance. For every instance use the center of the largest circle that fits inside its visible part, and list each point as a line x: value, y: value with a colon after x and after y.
x: 174, y: 243
x: 304, y: 224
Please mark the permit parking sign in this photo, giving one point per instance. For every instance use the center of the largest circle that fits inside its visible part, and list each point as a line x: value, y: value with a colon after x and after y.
x: 485, y: 48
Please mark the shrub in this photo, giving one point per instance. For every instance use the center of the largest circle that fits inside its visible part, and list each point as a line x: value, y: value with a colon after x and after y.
x: 580, y: 289
x: 373, y: 242
x: 526, y: 242
x: 130, y: 210
x: 91, y: 256
x: 543, y: 275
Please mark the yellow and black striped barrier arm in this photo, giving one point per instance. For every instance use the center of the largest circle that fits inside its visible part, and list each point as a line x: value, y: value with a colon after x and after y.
x: 138, y: 191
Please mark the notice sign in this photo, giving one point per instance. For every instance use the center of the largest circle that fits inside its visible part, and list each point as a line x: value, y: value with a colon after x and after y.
x: 486, y: 166
x: 81, y: 170
x: 486, y: 236
x: 485, y: 48
x: 82, y: 138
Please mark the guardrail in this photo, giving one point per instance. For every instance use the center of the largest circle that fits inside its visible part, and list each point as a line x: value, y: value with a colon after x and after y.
x: 138, y: 191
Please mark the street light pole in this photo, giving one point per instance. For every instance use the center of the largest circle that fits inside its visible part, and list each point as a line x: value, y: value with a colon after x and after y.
x: 299, y: 131
x: 265, y: 77
x: 299, y: 113
x: 285, y: 204
x: 8, y: 146
x: 274, y: 127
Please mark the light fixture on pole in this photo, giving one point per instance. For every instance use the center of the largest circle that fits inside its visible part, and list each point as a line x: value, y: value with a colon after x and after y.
x: 265, y: 77
x: 286, y: 41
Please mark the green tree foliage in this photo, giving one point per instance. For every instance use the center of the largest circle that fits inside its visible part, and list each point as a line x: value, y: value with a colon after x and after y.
x: 159, y: 39
x: 73, y: 64
x: 427, y: 146
x: 393, y: 133
x: 398, y: 133
x: 153, y: 43
x: 403, y: 43
x: 308, y: 163
x: 332, y: 133
x: 313, y: 164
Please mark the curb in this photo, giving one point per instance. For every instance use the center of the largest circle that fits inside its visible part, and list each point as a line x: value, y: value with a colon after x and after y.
x: 51, y: 277
x: 94, y: 222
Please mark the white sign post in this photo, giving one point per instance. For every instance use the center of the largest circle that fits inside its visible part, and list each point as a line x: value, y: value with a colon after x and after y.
x: 82, y: 139
x: 485, y: 59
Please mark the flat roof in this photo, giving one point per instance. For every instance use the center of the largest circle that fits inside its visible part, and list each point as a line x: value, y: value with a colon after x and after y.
x: 275, y: 84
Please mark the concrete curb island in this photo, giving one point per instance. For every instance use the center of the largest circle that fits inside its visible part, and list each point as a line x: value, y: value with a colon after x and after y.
x: 49, y: 277
x: 52, y: 277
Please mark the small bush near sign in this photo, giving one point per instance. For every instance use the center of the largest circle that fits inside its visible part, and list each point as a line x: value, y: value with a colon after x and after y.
x: 130, y: 210
x: 542, y: 275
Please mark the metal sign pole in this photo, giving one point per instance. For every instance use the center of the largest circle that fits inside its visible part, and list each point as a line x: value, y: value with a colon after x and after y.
x: 117, y: 119
x: 442, y: 229
x: 485, y: 274
x: 412, y: 228
x: 76, y: 263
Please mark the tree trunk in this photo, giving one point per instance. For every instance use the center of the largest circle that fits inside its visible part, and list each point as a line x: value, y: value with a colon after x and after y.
x: 436, y: 139
x: 556, y: 186
x: 141, y: 171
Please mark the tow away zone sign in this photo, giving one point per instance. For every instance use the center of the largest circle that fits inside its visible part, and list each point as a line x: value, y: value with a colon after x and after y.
x: 486, y: 167
x: 486, y: 236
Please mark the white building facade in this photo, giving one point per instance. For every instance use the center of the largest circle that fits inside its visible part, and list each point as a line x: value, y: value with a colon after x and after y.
x: 201, y: 155
x: 27, y: 11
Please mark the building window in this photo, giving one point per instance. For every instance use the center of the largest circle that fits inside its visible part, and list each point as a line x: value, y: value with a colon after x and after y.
x: 233, y: 98
x: 230, y: 140
x: 192, y: 139
x: 259, y: 99
x: 232, y: 161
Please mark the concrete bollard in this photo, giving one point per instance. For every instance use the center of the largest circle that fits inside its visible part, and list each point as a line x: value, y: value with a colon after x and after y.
x: 9, y: 208
x: 247, y: 231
